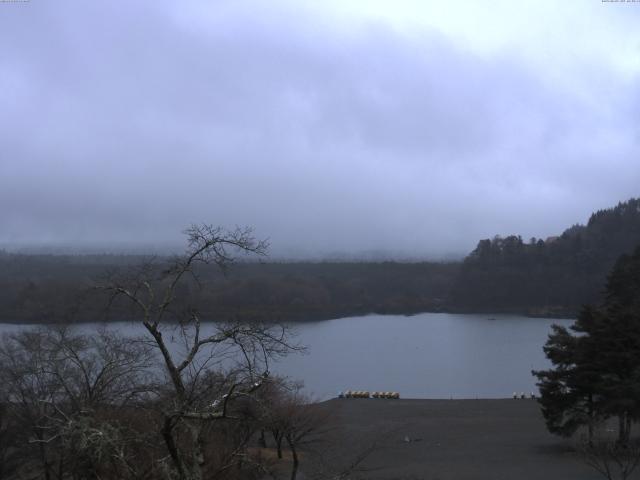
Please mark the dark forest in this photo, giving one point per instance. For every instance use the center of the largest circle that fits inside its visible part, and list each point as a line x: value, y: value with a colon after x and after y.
x: 545, y: 277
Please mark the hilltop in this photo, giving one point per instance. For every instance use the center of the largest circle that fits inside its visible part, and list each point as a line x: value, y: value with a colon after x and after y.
x: 552, y: 276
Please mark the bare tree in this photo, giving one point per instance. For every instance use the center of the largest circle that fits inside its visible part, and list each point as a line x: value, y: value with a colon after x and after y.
x: 305, y: 424
x: 239, y: 352
x: 9, y: 456
x: 612, y: 459
x: 178, y: 402
x: 273, y: 415
x: 55, y: 382
x: 294, y: 419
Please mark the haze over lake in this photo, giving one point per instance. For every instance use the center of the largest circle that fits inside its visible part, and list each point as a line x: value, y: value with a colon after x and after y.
x: 429, y: 355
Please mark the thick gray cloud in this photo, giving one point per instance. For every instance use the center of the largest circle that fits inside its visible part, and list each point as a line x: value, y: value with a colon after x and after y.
x: 326, y: 130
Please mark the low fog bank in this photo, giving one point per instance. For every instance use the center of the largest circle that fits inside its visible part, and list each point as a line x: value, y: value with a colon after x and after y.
x: 274, y: 255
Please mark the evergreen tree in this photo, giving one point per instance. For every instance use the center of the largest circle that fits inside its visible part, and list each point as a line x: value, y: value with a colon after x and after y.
x: 596, y: 369
x: 618, y: 335
x: 569, y: 391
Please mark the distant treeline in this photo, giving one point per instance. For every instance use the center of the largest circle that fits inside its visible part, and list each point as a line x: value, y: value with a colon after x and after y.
x: 59, y: 288
x: 554, y: 276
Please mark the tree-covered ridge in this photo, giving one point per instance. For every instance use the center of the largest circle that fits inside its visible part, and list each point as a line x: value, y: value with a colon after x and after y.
x: 551, y: 276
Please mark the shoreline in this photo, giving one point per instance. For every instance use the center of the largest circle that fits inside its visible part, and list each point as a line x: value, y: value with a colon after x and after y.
x: 459, y: 439
x: 324, y: 318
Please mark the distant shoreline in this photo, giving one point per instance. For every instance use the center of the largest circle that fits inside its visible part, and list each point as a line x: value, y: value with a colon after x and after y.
x: 312, y: 318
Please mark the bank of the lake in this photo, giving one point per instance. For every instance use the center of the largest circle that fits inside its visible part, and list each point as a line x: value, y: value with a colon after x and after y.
x: 456, y: 440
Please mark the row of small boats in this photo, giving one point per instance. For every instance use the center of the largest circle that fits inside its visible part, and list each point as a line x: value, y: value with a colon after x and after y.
x: 365, y: 394
x: 523, y: 395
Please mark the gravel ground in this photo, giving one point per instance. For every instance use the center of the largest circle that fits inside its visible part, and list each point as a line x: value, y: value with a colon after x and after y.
x: 457, y: 440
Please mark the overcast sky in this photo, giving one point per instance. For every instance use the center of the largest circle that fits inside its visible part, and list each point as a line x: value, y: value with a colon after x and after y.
x: 406, y: 127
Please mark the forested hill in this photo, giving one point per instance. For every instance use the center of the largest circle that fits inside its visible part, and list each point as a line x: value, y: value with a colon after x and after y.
x: 552, y: 276
x: 540, y: 277
x: 55, y: 288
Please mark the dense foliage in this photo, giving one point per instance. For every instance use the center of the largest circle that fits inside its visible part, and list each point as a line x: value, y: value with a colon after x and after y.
x: 552, y: 276
x: 37, y: 288
x: 596, y: 369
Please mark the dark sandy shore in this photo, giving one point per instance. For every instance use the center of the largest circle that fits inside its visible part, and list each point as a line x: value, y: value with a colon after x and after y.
x: 458, y: 440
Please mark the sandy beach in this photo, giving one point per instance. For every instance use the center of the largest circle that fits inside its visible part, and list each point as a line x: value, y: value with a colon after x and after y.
x: 458, y: 440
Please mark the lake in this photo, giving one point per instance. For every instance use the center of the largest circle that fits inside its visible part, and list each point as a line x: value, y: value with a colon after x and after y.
x: 429, y: 355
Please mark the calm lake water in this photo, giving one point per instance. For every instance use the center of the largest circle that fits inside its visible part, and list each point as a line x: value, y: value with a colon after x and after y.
x: 430, y: 355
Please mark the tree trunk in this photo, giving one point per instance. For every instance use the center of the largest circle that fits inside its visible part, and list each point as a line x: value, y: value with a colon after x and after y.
x: 262, y: 440
x: 45, y: 462
x: 278, y: 439
x: 198, y: 453
x: 172, y: 370
x: 624, y: 426
x: 294, y: 456
x: 620, y: 429
x: 592, y: 419
x: 167, y: 435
